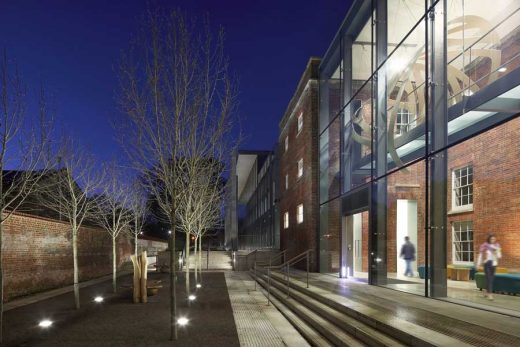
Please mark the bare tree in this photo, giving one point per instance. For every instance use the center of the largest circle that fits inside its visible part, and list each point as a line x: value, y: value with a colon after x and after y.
x: 23, y: 151
x: 138, y: 203
x: 73, y: 192
x: 114, y: 214
x: 178, y: 96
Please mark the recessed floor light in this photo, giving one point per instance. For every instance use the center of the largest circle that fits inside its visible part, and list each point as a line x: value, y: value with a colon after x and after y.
x: 502, y: 69
x: 98, y: 299
x: 182, y: 321
x: 45, y: 323
x: 192, y: 297
x: 199, y: 285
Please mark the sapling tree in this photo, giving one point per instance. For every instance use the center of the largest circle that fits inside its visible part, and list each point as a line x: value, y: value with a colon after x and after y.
x: 24, y: 148
x: 73, y: 192
x: 114, y: 212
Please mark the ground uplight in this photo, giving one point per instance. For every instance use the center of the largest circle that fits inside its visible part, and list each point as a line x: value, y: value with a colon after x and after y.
x: 98, y: 299
x: 46, y: 323
x: 182, y: 321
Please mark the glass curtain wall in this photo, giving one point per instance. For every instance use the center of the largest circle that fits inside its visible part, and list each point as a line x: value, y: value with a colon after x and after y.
x: 419, y: 107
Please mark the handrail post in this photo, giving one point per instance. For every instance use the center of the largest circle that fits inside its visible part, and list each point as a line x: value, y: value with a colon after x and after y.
x: 255, y: 275
x: 268, y: 285
x: 308, y: 254
x: 288, y: 281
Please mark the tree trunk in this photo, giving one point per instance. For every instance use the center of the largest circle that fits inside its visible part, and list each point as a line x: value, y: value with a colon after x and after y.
x: 144, y: 277
x: 173, y: 298
x: 187, y: 264
x: 135, y: 245
x: 1, y: 277
x: 75, y: 261
x: 114, y: 265
x: 196, y: 257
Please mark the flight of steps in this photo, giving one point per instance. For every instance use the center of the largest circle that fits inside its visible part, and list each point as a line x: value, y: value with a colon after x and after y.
x: 218, y: 260
x: 324, y: 320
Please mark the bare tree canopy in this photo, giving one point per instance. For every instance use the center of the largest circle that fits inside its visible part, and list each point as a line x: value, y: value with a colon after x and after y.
x: 73, y: 191
x: 114, y: 213
x: 24, y: 144
x: 180, y: 103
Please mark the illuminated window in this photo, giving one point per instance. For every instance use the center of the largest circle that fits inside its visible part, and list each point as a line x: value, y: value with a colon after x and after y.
x: 300, y: 168
x: 286, y: 182
x: 286, y: 143
x: 299, y: 214
x: 286, y: 220
x: 300, y: 122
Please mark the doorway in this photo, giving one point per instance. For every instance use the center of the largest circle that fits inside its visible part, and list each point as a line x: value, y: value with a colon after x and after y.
x: 406, y: 225
x: 354, y: 244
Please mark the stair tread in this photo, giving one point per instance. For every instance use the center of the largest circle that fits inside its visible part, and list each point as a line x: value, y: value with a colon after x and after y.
x: 385, y: 321
x: 359, y: 329
x: 331, y: 329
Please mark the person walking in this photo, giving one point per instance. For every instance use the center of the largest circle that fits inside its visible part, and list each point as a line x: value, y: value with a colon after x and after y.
x: 489, y: 253
x: 408, y: 254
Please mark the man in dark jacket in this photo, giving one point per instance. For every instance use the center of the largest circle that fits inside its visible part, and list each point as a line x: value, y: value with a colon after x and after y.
x: 408, y: 254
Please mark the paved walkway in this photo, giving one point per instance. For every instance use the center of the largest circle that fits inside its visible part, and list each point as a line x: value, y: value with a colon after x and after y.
x: 257, y: 323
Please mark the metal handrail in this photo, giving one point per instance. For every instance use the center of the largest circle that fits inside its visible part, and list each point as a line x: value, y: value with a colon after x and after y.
x: 248, y: 255
x: 287, y: 264
x: 280, y: 255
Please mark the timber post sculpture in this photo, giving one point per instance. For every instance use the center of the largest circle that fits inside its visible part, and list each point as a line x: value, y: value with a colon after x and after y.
x: 140, y: 278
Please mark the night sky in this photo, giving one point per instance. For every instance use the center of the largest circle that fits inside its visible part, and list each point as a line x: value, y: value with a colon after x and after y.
x: 73, y: 48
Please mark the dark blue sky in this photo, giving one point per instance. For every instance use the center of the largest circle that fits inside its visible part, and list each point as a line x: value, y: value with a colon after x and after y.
x: 73, y: 47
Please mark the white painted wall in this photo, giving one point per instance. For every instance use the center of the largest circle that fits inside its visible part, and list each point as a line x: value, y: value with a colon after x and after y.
x: 406, y: 226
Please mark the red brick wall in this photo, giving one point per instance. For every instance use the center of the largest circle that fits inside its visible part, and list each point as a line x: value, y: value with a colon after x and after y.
x: 495, y: 157
x: 38, y: 254
x: 304, y: 190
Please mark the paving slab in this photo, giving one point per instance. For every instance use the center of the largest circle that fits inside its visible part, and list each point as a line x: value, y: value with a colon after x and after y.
x: 258, y: 325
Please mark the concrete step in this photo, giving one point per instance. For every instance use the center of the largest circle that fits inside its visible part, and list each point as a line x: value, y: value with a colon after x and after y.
x: 314, y: 328
x: 399, y: 329
x: 218, y: 260
x: 361, y: 331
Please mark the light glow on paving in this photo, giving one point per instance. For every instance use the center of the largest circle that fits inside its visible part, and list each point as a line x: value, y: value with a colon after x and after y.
x: 182, y: 321
x: 45, y: 323
x: 98, y: 299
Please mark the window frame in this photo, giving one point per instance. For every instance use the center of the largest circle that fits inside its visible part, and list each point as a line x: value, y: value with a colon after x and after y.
x: 300, y: 168
x: 299, y: 214
x: 455, y: 187
x: 453, y: 242
x: 299, y: 124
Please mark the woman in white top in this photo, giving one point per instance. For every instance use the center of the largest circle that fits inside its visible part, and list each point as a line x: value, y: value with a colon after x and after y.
x: 489, y: 254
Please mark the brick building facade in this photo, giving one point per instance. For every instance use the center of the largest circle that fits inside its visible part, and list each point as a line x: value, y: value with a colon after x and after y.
x: 494, y: 157
x: 38, y: 254
x: 299, y: 169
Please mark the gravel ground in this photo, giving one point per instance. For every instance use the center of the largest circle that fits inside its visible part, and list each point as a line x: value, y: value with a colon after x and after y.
x: 119, y: 322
